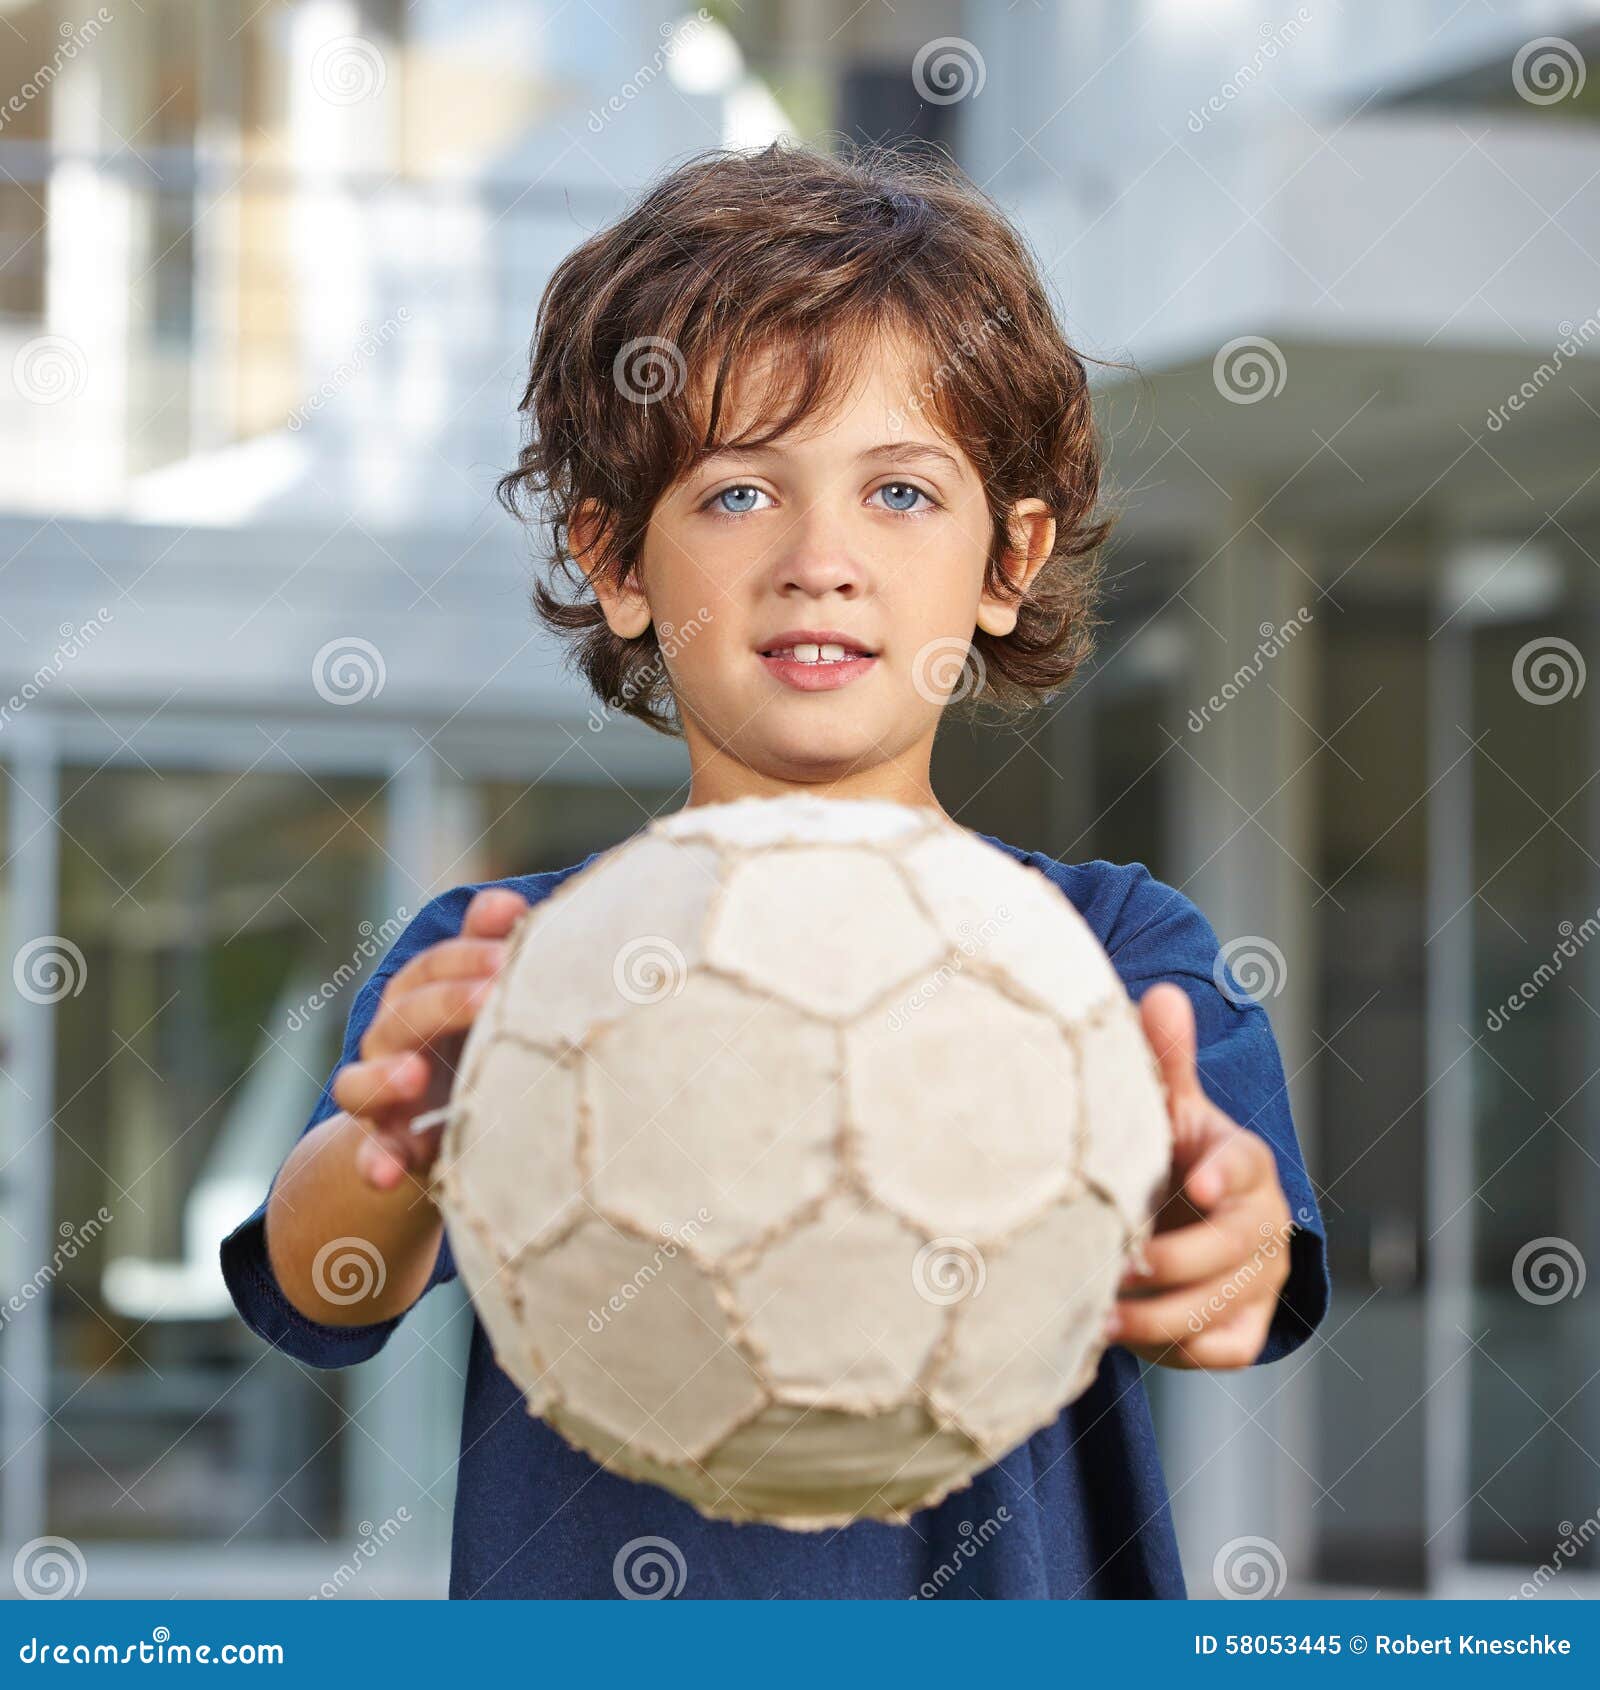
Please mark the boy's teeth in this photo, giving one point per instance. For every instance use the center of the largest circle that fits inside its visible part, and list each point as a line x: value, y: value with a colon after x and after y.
x: 816, y: 653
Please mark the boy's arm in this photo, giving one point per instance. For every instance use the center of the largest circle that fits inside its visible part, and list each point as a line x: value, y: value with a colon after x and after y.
x: 1158, y: 934
x: 346, y: 1240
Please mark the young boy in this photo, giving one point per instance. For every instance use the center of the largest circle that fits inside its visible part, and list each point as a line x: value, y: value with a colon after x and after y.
x: 806, y: 429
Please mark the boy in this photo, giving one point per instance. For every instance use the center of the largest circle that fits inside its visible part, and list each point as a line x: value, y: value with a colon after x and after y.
x: 806, y: 429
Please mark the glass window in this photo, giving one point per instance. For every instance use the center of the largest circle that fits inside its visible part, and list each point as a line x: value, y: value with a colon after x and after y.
x: 29, y: 44
x: 212, y: 912
x: 1534, y: 1407
x: 11, y: 1197
x: 535, y: 829
x: 1371, y: 1086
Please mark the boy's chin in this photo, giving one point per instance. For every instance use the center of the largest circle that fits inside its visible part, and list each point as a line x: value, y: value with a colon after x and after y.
x: 820, y: 753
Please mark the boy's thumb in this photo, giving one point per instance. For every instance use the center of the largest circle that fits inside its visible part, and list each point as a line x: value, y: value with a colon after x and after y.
x: 1168, y: 1019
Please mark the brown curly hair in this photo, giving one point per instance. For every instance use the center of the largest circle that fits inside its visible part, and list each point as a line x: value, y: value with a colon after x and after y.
x: 807, y: 258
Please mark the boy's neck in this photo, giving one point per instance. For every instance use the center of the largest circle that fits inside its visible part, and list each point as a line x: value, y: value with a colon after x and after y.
x: 719, y: 779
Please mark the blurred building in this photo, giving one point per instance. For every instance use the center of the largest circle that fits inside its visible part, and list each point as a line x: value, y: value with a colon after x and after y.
x: 269, y: 277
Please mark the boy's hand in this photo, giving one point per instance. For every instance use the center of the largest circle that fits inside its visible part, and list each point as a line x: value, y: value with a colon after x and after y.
x: 410, y: 1050
x: 1220, y: 1252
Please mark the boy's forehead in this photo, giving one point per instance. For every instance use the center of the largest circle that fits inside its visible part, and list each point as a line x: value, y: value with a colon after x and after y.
x: 881, y: 396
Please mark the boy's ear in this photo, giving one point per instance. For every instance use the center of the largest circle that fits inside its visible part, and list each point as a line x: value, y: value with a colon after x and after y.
x: 1033, y: 534
x: 627, y: 612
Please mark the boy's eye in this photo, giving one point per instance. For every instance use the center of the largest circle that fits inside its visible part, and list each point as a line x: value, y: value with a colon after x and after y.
x: 896, y: 491
x: 734, y: 501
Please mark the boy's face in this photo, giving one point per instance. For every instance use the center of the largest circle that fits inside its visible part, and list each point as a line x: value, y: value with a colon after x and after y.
x: 821, y: 593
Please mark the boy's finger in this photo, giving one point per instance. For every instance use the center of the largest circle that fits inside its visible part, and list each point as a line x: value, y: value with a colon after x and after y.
x: 1189, y: 1254
x: 1157, y: 1322
x: 391, y: 1144
x: 493, y: 912
x: 364, y: 1088
x: 379, y: 1165
x: 1168, y: 1019
x: 450, y: 959
x: 1233, y: 1164
x: 416, y: 1020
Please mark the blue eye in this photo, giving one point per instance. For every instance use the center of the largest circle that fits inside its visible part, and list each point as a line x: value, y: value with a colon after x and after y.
x: 902, y: 487
x: 722, y: 509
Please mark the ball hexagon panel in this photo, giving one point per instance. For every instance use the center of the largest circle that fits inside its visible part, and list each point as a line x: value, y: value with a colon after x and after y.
x: 835, y: 1317
x: 992, y: 911
x: 634, y: 1336
x: 993, y: 1136
x: 783, y: 925
x: 604, y: 941
x: 1030, y: 1339
x: 1129, y: 1155
x: 662, y: 1157
x: 517, y: 1145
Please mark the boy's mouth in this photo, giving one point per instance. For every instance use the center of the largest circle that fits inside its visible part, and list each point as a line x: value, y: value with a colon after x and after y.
x: 816, y: 659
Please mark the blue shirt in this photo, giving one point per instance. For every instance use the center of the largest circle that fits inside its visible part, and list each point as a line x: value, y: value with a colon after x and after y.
x: 1079, y: 1510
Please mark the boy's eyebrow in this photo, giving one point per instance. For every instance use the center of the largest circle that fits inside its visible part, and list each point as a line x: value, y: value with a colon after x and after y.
x: 889, y: 449
x: 914, y: 449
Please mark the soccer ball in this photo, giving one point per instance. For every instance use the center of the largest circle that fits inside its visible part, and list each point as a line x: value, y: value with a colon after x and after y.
x: 795, y: 1155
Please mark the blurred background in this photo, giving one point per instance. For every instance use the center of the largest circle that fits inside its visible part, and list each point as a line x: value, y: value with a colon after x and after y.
x: 268, y: 271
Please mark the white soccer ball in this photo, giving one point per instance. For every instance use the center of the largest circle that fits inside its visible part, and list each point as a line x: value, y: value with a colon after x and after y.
x: 795, y: 1156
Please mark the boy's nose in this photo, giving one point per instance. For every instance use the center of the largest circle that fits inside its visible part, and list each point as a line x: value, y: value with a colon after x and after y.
x: 816, y: 565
